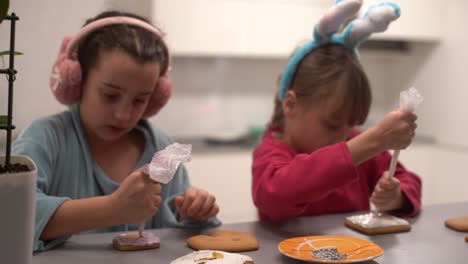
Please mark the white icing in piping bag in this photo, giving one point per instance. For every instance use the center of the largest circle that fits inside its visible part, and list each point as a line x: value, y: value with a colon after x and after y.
x: 164, y: 165
x: 409, y: 101
x: 141, y: 227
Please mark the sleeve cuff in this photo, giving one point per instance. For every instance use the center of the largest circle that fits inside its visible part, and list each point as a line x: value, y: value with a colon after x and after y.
x: 45, y: 208
x: 412, y: 207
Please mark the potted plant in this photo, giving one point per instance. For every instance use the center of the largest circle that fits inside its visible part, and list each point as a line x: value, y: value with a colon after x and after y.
x: 17, y: 175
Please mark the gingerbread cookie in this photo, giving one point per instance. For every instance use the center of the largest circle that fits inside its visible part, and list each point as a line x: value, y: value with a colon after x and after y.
x: 213, y: 257
x: 230, y: 241
x: 133, y: 241
x: 458, y: 224
x: 371, y: 224
x: 466, y: 238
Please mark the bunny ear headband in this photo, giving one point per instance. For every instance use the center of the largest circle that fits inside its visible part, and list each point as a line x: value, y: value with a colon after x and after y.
x: 65, y: 80
x: 376, y: 19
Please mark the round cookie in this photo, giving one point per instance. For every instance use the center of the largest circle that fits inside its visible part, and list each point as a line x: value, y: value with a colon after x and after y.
x: 133, y: 241
x: 458, y: 223
x: 213, y: 257
x: 225, y: 240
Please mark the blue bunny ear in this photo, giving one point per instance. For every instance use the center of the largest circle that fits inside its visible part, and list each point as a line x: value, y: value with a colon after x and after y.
x: 331, y: 21
x: 376, y: 19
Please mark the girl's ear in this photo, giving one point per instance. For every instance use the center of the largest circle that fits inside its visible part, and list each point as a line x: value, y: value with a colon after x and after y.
x: 290, y: 104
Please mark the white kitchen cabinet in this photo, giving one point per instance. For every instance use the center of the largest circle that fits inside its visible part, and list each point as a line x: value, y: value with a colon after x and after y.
x: 228, y: 176
x: 272, y: 28
x: 236, y: 27
x: 442, y: 171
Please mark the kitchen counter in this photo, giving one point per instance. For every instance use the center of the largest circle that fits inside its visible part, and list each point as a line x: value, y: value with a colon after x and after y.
x: 207, y: 146
x: 429, y: 241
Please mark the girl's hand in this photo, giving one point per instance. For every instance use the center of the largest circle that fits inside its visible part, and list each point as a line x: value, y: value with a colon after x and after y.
x: 137, y: 198
x: 387, y: 194
x: 396, y: 130
x: 196, y: 204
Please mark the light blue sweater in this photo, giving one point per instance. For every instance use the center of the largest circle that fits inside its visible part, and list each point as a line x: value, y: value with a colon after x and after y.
x: 66, y: 170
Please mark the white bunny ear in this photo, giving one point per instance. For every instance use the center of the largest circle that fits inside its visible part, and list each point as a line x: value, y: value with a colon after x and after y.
x: 376, y: 19
x: 331, y: 21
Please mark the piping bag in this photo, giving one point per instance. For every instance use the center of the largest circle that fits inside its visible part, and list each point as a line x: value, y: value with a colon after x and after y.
x: 164, y: 164
x: 409, y: 101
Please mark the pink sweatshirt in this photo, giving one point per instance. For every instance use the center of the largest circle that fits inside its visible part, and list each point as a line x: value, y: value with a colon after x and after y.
x: 287, y: 184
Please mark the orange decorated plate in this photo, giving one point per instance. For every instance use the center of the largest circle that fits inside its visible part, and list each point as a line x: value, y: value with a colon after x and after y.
x: 356, y: 249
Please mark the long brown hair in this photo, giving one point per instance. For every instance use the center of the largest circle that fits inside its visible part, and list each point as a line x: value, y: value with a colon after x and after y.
x: 330, y: 70
x: 139, y: 43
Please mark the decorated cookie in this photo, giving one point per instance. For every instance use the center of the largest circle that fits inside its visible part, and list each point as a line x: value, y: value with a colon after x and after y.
x: 213, y: 257
x: 372, y: 224
x: 230, y: 241
x: 133, y: 241
x: 458, y: 224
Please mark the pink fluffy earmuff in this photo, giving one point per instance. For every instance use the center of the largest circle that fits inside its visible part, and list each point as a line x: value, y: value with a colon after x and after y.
x: 65, y: 80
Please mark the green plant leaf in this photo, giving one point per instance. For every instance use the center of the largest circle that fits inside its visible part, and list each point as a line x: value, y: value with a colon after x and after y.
x: 4, y: 5
x: 3, y: 119
x: 7, y: 52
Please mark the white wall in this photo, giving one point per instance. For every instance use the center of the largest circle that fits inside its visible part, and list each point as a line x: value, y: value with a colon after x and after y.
x: 442, y: 77
x: 39, y: 33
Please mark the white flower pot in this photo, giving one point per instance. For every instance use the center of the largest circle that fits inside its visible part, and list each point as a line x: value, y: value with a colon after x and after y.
x: 17, y: 212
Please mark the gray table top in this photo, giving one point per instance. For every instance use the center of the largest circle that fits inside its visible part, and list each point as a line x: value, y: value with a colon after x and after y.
x: 429, y: 241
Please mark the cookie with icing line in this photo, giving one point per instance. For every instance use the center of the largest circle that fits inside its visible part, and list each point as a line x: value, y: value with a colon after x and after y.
x: 371, y: 224
x: 213, y: 257
x: 133, y: 241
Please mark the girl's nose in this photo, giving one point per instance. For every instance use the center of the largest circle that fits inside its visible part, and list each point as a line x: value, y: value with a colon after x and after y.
x: 123, y: 112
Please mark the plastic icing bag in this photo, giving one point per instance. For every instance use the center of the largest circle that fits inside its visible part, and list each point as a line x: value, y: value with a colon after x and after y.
x: 164, y: 164
x: 410, y: 100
